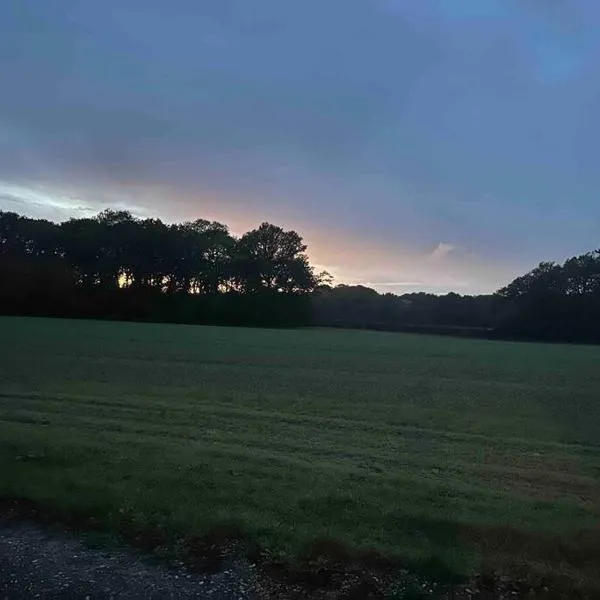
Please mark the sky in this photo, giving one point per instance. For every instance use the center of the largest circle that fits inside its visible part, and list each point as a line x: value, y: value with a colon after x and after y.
x: 416, y: 145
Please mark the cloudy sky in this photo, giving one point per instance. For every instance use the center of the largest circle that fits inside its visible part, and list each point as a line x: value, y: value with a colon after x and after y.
x: 415, y: 144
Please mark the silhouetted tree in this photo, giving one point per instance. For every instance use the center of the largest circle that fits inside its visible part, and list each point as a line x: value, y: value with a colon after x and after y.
x: 555, y: 302
x: 116, y: 265
x: 271, y: 259
x: 362, y: 307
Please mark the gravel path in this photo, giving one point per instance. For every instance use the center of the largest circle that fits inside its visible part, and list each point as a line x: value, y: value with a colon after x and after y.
x: 41, y: 563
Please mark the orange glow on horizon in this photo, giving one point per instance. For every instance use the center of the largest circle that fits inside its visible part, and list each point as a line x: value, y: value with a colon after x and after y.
x: 350, y: 257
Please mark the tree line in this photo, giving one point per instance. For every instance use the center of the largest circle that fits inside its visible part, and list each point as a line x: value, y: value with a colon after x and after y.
x: 357, y: 306
x: 117, y: 266
x: 552, y: 302
x: 114, y: 265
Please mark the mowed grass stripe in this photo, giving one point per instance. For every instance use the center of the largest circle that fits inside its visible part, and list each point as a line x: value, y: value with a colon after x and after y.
x: 524, y: 480
x: 390, y: 450
x: 456, y: 462
x: 211, y: 413
x: 492, y: 419
x: 191, y: 461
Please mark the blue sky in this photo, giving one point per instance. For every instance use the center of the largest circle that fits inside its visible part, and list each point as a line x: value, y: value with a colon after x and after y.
x: 415, y: 144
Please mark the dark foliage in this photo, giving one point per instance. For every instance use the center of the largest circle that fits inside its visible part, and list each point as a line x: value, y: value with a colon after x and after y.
x: 554, y: 302
x: 550, y: 303
x: 362, y: 307
x: 117, y: 266
x: 120, y: 267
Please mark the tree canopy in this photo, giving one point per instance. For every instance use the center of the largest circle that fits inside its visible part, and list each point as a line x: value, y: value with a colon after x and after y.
x: 555, y: 302
x: 161, y: 270
x: 115, y: 265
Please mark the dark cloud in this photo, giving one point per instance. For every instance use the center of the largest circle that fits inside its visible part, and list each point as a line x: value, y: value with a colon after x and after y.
x: 143, y: 90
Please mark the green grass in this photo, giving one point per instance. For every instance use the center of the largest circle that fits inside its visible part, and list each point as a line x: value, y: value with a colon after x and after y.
x: 416, y: 446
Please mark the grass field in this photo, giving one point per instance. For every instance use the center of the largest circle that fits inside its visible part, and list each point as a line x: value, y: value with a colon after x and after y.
x: 419, y: 447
